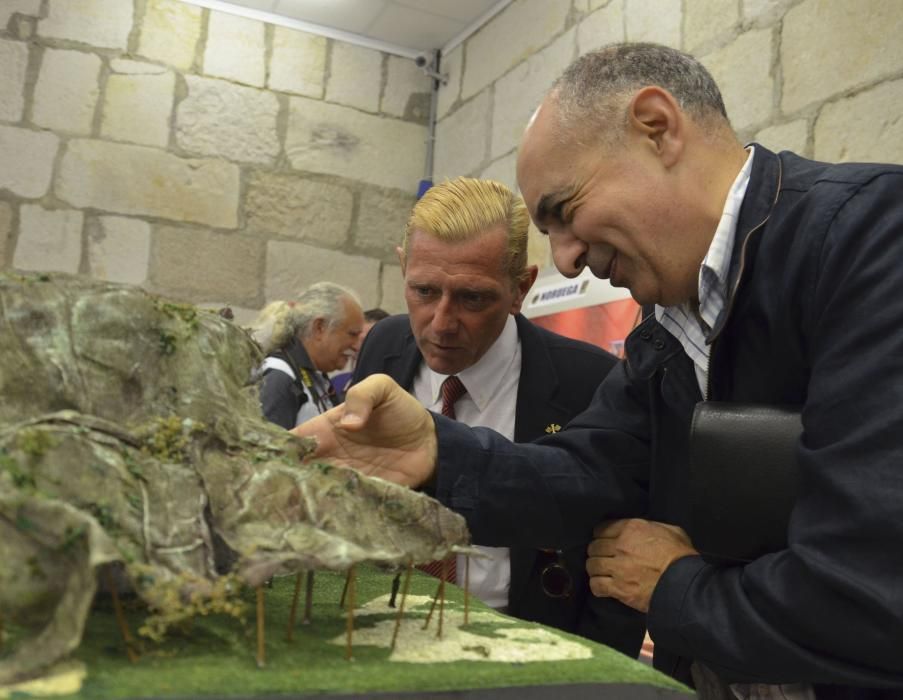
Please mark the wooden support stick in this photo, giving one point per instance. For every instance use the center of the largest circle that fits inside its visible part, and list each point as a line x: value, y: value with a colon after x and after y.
x: 466, y: 588
x: 404, y: 595
x: 345, y: 588
x: 120, y: 616
x: 429, y: 615
x: 290, y: 632
x: 308, y: 598
x: 349, y: 586
x: 261, y: 641
x: 442, y: 597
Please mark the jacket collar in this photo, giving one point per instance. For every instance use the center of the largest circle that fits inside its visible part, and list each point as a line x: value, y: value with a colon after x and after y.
x: 404, y: 365
x: 760, y: 200
x: 295, y: 350
x: 538, y: 384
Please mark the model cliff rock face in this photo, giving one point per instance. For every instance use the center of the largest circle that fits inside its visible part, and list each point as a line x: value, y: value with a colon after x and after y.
x: 130, y: 432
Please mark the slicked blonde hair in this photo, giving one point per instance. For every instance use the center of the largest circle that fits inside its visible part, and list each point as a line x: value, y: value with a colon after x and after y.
x: 465, y: 208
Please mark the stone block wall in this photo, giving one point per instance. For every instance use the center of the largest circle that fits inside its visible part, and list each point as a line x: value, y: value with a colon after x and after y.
x: 225, y: 161
x: 823, y: 78
x: 205, y: 156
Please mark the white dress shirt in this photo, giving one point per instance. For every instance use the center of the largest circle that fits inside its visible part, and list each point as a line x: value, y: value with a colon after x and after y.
x: 491, y: 402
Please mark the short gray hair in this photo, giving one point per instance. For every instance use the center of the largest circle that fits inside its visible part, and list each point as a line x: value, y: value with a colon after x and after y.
x: 592, y: 91
x: 281, y: 321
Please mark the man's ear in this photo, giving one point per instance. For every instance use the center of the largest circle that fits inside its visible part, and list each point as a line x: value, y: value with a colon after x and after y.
x: 523, y: 287
x: 655, y: 116
x: 399, y: 251
x: 318, y: 327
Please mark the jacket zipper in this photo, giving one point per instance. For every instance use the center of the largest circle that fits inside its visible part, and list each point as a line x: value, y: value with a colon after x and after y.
x: 733, y: 294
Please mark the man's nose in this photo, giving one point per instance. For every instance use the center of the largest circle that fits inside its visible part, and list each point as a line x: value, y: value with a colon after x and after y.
x: 568, y: 251
x: 445, y: 317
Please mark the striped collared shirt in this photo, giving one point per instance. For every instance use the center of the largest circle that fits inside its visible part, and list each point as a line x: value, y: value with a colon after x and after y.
x: 691, y: 325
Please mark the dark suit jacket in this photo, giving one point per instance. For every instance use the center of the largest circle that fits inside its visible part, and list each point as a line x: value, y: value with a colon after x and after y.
x: 557, y: 381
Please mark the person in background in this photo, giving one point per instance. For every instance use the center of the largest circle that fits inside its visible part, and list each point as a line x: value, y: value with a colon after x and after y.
x: 775, y: 280
x: 342, y: 380
x: 303, y: 340
x: 371, y: 318
x: 464, y: 261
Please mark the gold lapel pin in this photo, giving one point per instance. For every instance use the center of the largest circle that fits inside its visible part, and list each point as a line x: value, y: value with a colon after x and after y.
x: 553, y: 428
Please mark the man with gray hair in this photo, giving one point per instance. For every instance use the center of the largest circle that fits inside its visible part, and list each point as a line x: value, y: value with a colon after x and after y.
x: 303, y: 340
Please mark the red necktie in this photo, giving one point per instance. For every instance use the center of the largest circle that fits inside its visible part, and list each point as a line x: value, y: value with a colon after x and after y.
x: 452, y: 390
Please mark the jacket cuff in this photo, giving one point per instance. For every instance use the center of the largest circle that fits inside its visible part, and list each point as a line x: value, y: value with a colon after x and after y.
x: 665, y: 618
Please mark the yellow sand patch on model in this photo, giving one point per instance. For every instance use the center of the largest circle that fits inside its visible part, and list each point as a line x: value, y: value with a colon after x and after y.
x: 511, y: 641
x: 63, y: 679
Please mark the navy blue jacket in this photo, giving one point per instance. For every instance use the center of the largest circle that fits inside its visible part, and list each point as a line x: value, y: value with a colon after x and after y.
x: 814, y: 318
x: 557, y: 381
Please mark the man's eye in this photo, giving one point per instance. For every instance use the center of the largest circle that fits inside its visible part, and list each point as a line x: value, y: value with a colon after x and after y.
x: 424, y: 292
x: 474, y: 300
x: 560, y: 213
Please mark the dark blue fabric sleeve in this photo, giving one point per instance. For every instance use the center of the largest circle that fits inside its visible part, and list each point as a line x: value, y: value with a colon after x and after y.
x: 550, y: 493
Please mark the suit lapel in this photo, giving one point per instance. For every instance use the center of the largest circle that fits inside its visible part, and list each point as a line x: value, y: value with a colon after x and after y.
x: 538, y: 384
x: 406, y: 363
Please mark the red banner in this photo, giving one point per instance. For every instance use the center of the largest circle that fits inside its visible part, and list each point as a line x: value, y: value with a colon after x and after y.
x: 605, y: 325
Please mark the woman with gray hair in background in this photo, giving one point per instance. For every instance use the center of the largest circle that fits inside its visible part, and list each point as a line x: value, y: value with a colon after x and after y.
x: 302, y: 341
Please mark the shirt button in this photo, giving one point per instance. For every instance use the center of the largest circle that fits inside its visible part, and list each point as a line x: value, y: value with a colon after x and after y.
x: 645, y: 335
x: 659, y: 344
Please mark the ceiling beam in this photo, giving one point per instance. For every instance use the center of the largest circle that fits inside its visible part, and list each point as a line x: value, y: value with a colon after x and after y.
x: 310, y: 27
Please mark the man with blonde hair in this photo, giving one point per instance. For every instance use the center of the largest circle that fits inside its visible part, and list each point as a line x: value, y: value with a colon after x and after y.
x: 465, y: 350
